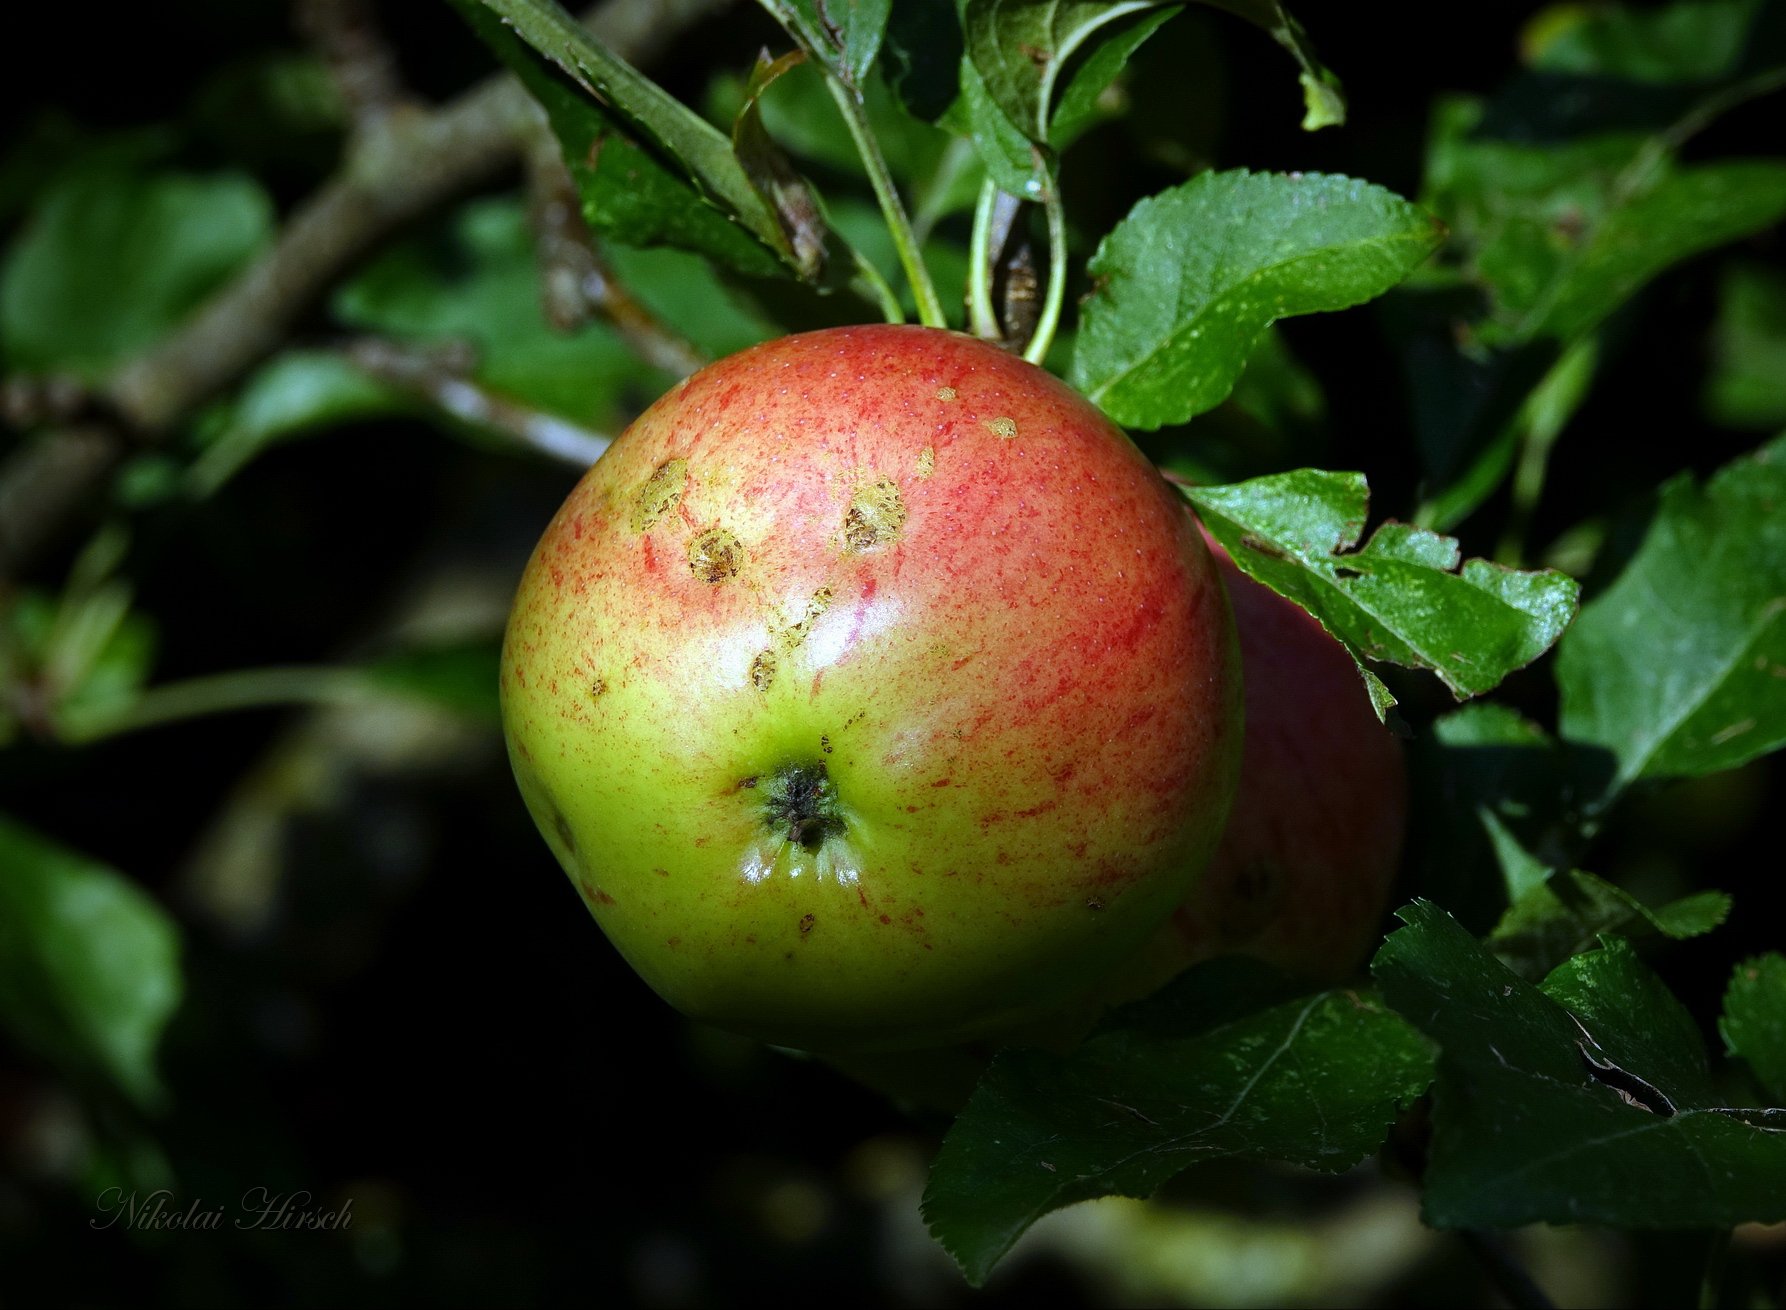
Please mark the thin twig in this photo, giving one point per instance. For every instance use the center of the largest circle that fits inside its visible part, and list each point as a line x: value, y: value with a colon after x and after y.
x: 1003, y: 264
x: 653, y: 340
x: 44, y: 481
x: 347, y: 37
x: 221, y: 693
x: 1640, y: 172
x: 911, y: 256
x: 30, y: 401
x: 981, y: 318
x: 575, y: 279
x: 438, y: 377
x: 560, y: 236
x: 1049, y: 321
x: 871, y: 285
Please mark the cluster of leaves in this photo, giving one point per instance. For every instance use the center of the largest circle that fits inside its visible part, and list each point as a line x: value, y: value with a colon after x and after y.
x: 1565, y: 1082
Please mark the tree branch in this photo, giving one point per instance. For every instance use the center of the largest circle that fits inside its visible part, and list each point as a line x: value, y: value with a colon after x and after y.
x: 575, y: 279
x: 394, y: 172
x: 43, y: 481
x: 346, y: 35
x: 439, y: 376
x: 392, y: 175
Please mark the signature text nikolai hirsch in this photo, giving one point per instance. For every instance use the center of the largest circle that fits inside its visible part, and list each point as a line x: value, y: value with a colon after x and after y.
x: 259, y: 1208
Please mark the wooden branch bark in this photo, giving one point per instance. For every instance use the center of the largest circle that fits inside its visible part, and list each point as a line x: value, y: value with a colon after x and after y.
x: 411, y: 163
x: 397, y: 168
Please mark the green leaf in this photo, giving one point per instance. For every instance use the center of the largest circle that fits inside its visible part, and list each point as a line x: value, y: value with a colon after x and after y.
x: 1499, y: 806
x: 1581, y: 1102
x: 1561, y: 232
x: 923, y: 56
x: 1277, y: 390
x: 1017, y: 165
x: 478, y: 282
x: 1228, y: 1061
x: 1568, y: 913
x: 1565, y: 200
x: 1634, y: 1022
x: 1679, y: 667
x: 1080, y: 102
x: 1324, y: 105
x: 110, y: 262
x: 89, y: 964
x: 47, y: 149
x: 1754, y: 1020
x: 1536, y: 424
x: 1403, y: 596
x: 800, y: 116
x: 1186, y: 283
x: 295, y: 392
x: 688, y: 294
x: 1681, y: 214
x: 1699, y: 41
x: 1023, y: 49
x: 461, y: 677
x: 86, y: 651
x: 112, y: 673
x: 650, y: 170
x: 1746, y: 384
x: 845, y: 35
x: 773, y: 174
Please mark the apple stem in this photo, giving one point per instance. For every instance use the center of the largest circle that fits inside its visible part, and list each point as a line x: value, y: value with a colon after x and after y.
x: 849, y: 103
x: 1057, y: 274
x: 869, y: 283
x: 979, y: 283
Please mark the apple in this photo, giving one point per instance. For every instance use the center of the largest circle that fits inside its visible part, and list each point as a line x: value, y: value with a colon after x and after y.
x: 1313, y: 844
x: 874, y: 691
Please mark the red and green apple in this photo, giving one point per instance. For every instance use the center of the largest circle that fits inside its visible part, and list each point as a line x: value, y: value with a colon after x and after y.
x: 874, y: 691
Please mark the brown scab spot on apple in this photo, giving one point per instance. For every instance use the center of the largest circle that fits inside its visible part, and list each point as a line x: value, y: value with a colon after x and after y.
x: 945, y: 393
x: 795, y: 633
x: 1005, y: 428
x: 806, y: 923
x: 598, y: 689
x: 926, y: 462
x: 762, y: 670
x: 660, y: 494
x: 825, y: 743
x: 1093, y: 903
x: 716, y: 556
x: 875, y: 516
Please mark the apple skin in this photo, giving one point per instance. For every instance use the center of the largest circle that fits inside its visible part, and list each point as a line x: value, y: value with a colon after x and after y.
x: 875, y: 692
x: 1314, y: 840
x: 1305, y: 865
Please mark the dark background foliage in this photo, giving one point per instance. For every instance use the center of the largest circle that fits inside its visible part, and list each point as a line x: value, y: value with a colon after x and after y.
x: 413, y: 1011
